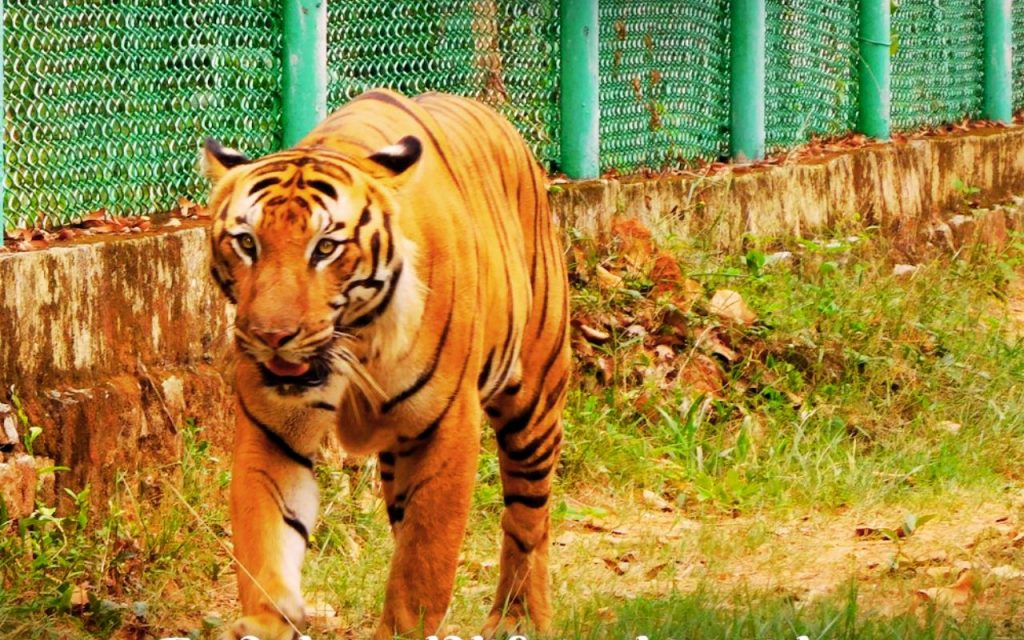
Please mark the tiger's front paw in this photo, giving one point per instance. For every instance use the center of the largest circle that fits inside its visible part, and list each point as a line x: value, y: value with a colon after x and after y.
x: 262, y: 626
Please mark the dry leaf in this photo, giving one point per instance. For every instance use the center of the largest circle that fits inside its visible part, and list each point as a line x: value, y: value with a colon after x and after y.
x: 666, y: 274
x: 567, y: 538
x: 729, y: 305
x: 619, y: 568
x: 664, y: 352
x: 654, y: 500
x: 956, y: 594
x: 719, y: 348
x: 606, y: 279
x: 1006, y: 572
x: 80, y: 596
x: 655, y: 570
x: 593, y: 335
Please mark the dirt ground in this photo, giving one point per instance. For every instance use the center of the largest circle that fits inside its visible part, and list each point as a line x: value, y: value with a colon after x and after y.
x: 963, y: 554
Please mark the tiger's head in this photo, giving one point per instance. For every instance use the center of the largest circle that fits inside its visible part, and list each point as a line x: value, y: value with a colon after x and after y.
x: 306, y: 243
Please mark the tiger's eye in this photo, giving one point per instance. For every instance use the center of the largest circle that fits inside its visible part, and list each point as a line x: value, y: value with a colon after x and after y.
x: 247, y: 242
x: 325, y: 247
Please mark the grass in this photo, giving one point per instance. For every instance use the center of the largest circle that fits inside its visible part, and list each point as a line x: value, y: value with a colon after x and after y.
x: 850, y: 375
x: 692, y: 442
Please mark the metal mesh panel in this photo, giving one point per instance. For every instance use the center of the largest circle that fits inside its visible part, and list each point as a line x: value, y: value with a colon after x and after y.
x: 106, y: 102
x: 503, y: 52
x: 937, y: 72
x: 664, y: 81
x: 811, y: 69
x: 1018, y: 55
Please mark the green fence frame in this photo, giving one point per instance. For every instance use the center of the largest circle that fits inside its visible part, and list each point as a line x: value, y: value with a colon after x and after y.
x: 305, y: 71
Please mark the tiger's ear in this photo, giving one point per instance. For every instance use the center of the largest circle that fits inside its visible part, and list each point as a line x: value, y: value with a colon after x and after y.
x: 216, y: 160
x: 394, y: 160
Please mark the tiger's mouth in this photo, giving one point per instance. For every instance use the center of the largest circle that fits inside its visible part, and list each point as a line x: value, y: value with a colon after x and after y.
x: 278, y: 372
x: 286, y: 369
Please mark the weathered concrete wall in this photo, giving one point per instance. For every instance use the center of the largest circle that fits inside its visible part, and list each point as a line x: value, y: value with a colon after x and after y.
x: 882, y: 184
x: 112, y: 344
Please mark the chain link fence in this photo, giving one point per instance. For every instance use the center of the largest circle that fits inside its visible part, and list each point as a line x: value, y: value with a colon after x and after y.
x: 810, y: 70
x: 502, y: 52
x: 937, y: 68
x: 106, y: 103
x: 1018, y: 55
x: 664, y: 81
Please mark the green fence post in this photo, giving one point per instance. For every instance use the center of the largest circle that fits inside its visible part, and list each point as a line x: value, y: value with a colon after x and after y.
x: 998, y: 61
x: 579, y: 106
x: 305, y: 67
x: 746, y: 80
x: 874, y: 115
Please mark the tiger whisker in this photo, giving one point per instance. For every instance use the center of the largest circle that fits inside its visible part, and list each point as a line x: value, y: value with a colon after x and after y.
x: 346, y: 363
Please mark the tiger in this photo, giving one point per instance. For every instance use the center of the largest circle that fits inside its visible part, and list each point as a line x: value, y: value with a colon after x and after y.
x: 397, y: 278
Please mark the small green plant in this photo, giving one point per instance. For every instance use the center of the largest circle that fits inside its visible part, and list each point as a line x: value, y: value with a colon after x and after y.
x: 911, y: 524
x: 32, y: 432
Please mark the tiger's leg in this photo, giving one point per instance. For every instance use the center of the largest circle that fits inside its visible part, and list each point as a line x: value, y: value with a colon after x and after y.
x: 433, y: 482
x: 528, y: 422
x: 274, y: 502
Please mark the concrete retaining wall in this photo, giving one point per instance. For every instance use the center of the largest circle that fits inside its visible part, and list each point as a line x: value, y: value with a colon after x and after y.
x: 111, y: 345
x: 884, y: 184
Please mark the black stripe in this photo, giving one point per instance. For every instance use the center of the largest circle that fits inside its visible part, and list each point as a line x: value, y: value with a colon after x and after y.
x: 421, y: 436
x: 325, y: 188
x: 278, y: 441
x: 539, y: 247
x: 325, y: 406
x: 533, y: 502
x: 386, y: 457
x: 427, y: 373
x: 286, y: 512
x: 531, y: 475
x: 375, y: 251
x: 431, y: 428
x: 519, y: 422
x: 263, y: 184
x: 382, y: 306
x: 427, y: 433
x: 367, y: 283
x: 514, y: 388
x: 224, y: 284
x: 493, y: 412
x: 390, y: 255
x: 294, y: 523
x: 531, y: 447
x: 387, y: 476
x: 555, y: 394
x: 551, y: 449
x: 395, y: 514
x: 486, y: 371
x: 523, y: 547
x: 516, y: 424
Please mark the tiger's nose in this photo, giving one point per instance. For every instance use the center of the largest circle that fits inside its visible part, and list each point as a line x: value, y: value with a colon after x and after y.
x: 275, y: 339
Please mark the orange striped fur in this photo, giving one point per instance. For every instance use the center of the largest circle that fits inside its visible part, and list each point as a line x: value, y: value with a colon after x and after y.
x: 397, y: 276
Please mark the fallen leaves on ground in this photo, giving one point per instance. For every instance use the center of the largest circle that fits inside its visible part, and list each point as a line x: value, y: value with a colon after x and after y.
x: 46, y: 231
